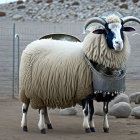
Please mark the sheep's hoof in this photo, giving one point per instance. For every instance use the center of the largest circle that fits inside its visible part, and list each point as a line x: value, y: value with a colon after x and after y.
x: 92, y: 129
x: 106, y: 130
x: 43, y: 131
x: 49, y: 126
x: 87, y: 130
x: 25, y: 128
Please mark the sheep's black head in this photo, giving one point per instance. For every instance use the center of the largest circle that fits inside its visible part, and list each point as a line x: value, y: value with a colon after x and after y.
x: 113, y: 30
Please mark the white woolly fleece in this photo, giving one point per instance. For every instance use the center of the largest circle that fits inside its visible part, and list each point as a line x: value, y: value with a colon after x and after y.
x: 54, y: 74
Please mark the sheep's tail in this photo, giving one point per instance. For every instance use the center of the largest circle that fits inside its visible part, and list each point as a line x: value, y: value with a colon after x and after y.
x: 23, y: 97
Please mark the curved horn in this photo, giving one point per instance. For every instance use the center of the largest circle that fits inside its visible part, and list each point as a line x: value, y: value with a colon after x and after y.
x: 93, y: 20
x: 130, y: 18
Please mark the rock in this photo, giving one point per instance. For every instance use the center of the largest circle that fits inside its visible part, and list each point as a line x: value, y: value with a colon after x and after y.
x: 21, y: 7
x: 43, y: 15
x: 75, y: 3
x: 125, y: 6
x: 132, y: 114
x: 75, y: 15
x: 2, y: 14
x: 90, y: 7
x: 17, y: 17
x: 38, y: 1
x: 10, y: 3
x: 49, y: 1
x: 135, y: 1
x: 138, y: 4
x: 99, y: 112
x: 19, y: 2
x: 136, y: 112
x: 135, y: 97
x: 29, y: 12
x: 121, y: 98
x: 122, y: 0
x: 67, y: 6
x: 68, y: 111
x: 62, y: 1
x: 98, y: 108
x: 115, y: 3
x: 120, y: 110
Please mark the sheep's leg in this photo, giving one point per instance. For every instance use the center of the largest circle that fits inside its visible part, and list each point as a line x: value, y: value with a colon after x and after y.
x: 24, y: 117
x: 47, y: 120
x: 41, y: 123
x: 106, y: 125
x: 91, y: 121
x: 85, y: 113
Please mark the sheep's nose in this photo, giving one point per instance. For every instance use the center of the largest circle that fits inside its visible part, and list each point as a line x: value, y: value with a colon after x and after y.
x: 118, y: 45
x: 118, y: 42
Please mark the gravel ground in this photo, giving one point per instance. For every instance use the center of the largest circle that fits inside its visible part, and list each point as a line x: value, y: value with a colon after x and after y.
x: 66, y: 10
x: 64, y: 127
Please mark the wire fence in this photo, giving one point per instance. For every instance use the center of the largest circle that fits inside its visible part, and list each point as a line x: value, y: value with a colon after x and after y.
x: 6, y: 55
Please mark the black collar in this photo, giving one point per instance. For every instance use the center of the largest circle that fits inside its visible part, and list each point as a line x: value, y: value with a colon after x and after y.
x: 102, y: 69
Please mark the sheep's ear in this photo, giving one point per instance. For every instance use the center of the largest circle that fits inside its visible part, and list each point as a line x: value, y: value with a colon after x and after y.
x: 129, y: 29
x: 99, y: 31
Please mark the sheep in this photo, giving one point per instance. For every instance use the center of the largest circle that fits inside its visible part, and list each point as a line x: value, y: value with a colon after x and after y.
x: 54, y: 73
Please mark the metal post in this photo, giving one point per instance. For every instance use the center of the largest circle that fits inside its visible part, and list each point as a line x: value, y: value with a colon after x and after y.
x: 13, y: 80
x: 17, y: 36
